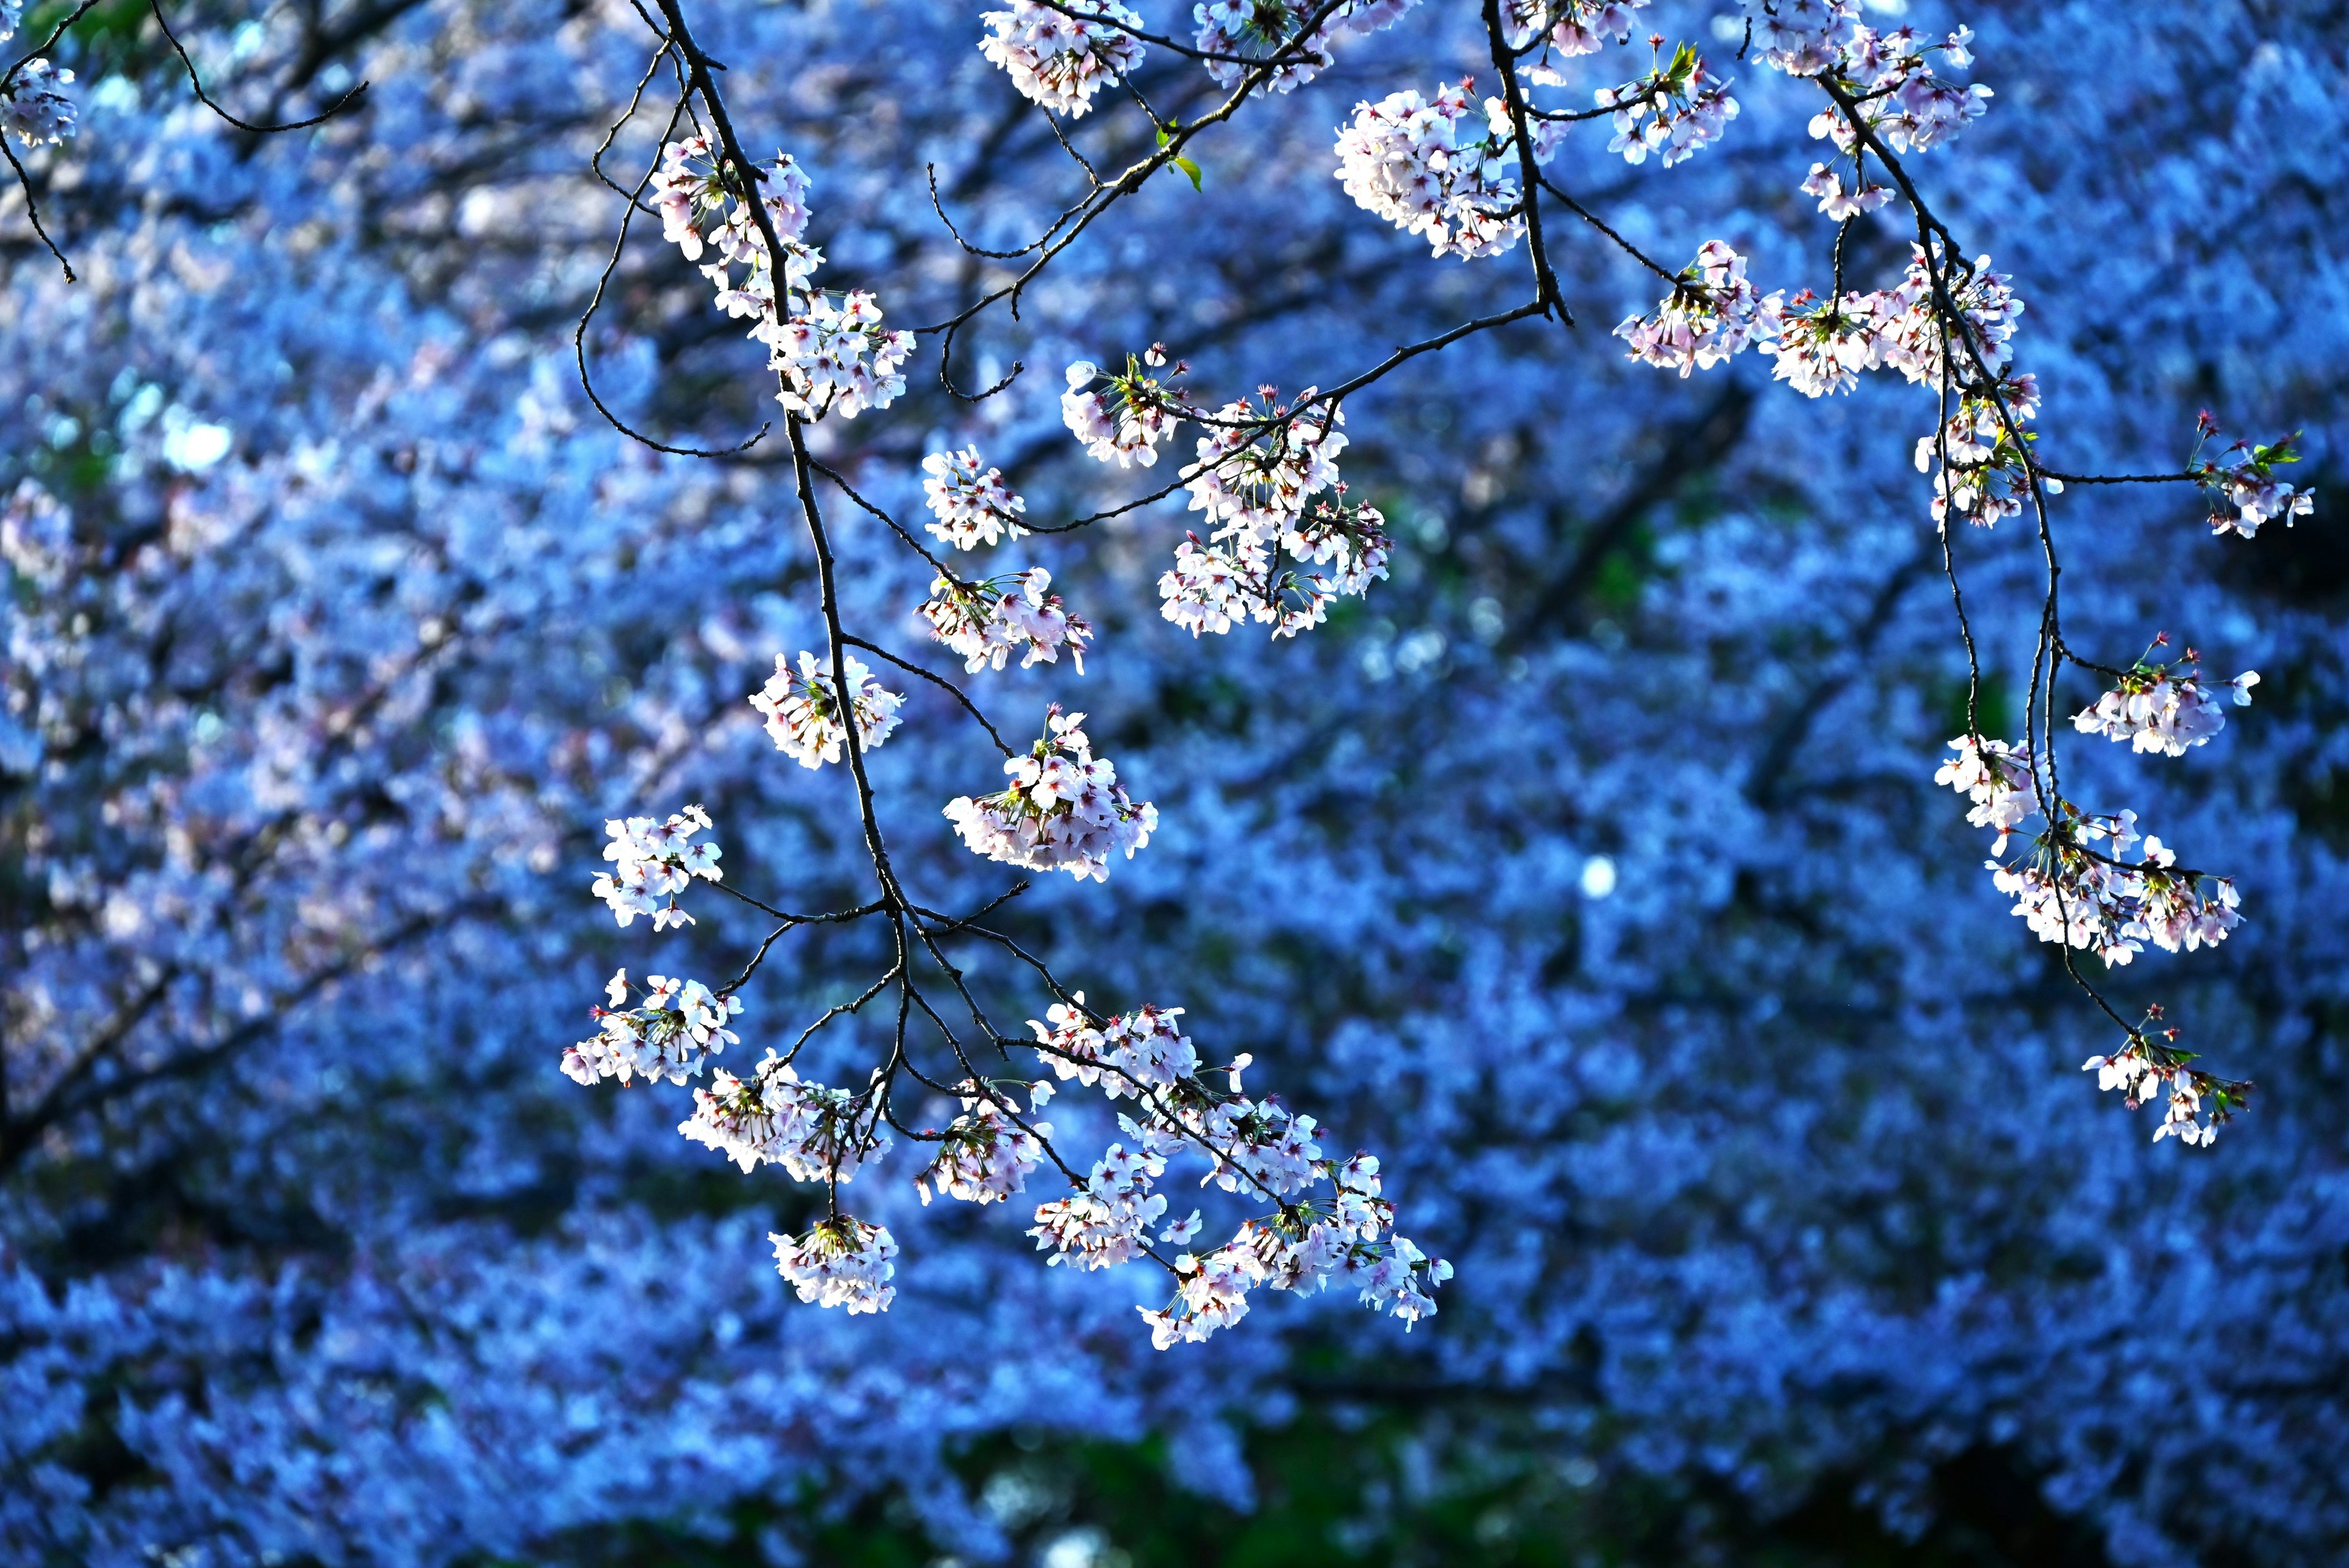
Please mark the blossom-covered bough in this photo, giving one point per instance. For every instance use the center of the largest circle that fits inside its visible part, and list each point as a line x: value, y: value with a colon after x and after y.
x: 1282, y: 541
x: 1278, y: 540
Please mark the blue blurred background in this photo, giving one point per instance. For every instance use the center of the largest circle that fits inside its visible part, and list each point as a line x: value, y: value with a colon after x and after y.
x: 1590, y: 871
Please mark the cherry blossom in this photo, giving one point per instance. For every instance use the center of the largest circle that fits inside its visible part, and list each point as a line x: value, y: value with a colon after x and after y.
x: 1255, y: 482
x: 972, y: 506
x: 2164, y: 708
x: 803, y: 710
x: 987, y: 621
x: 666, y: 1038
x: 1712, y: 313
x: 34, y: 105
x: 1120, y: 418
x: 1575, y: 27
x: 653, y: 861
x: 1801, y: 37
x: 1408, y: 159
x: 2243, y: 476
x: 1107, y: 1221
x: 841, y: 1262
x: 1839, y: 203
x: 1996, y: 777
x: 1254, y: 29
x: 1676, y: 111
x: 1060, y: 58
x: 813, y: 1132
x: 985, y: 1155
x: 1063, y: 811
x: 1131, y: 1053
x: 2150, y: 1067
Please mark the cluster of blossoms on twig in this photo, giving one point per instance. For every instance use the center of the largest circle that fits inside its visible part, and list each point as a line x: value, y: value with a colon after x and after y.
x: 987, y: 621
x: 1325, y: 1218
x: 1573, y: 27
x: 2243, y: 476
x: 841, y: 1262
x: 1123, y: 418
x: 653, y: 861
x: 1062, y: 57
x: 1430, y: 167
x: 971, y: 504
x: 1266, y: 479
x: 815, y: 1133
x: 829, y: 356
x: 34, y: 107
x: 1215, y: 585
x: 2164, y: 706
x: 1255, y: 30
x: 1674, y: 112
x: 985, y: 1155
x: 802, y: 712
x: 2151, y: 1066
x: 2079, y: 885
x: 1713, y: 312
x: 1063, y: 811
x: 677, y: 1025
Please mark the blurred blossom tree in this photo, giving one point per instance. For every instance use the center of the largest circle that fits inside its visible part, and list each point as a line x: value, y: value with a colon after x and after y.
x: 392, y: 521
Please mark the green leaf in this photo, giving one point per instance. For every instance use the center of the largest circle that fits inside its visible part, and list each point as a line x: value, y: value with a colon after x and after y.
x: 1190, y: 169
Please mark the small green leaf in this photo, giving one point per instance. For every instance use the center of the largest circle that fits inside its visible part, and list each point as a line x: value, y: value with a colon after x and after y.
x: 1190, y: 169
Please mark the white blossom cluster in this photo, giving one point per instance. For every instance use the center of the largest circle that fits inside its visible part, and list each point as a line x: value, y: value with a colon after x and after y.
x: 972, y: 505
x: 2142, y: 1072
x: 985, y: 1155
x: 1675, y: 112
x: 1132, y: 1052
x: 653, y: 861
x: 666, y: 1038
x: 842, y: 1261
x: 1997, y: 778
x: 2164, y: 708
x: 34, y: 105
x: 1575, y: 27
x: 1841, y: 204
x: 1713, y: 312
x: 1254, y: 30
x: 689, y: 188
x: 1120, y: 418
x: 2079, y: 887
x: 803, y: 710
x: 1408, y: 159
x: 1900, y: 99
x: 1823, y: 344
x: 811, y: 1130
x: 987, y: 622
x: 1328, y: 1220
x: 1060, y: 58
x: 1063, y: 811
x: 829, y: 356
x: 1236, y: 576
x: 1107, y: 1221
x: 1979, y: 466
x: 2078, y: 890
x: 2243, y: 476
x: 1257, y: 467
x: 1260, y: 479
